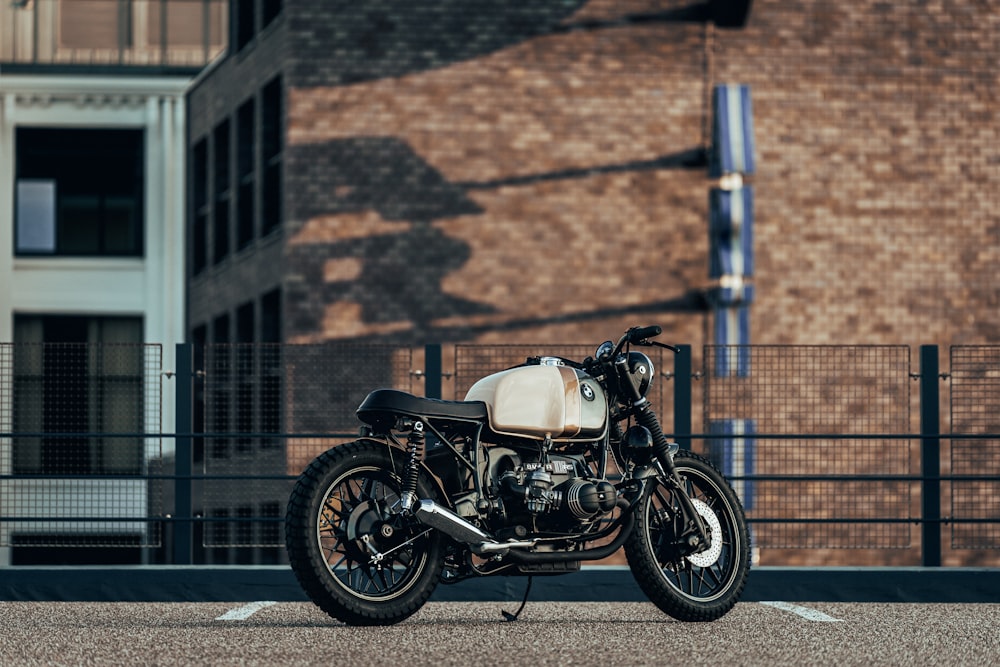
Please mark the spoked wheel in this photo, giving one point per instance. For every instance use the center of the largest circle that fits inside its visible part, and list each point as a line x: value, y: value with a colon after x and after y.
x: 696, y: 587
x: 356, y: 556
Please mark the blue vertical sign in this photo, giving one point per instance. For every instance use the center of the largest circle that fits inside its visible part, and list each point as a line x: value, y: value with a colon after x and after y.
x: 731, y: 208
x: 732, y: 131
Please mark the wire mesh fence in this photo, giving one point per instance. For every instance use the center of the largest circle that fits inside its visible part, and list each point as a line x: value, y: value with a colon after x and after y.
x: 975, y: 410
x: 267, y: 411
x: 815, y: 489
x: 81, y: 464
x: 821, y: 442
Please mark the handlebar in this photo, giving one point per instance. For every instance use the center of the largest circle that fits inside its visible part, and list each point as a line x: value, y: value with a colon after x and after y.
x: 637, y: 334
x: 641, y: 336
x: 634, y: 336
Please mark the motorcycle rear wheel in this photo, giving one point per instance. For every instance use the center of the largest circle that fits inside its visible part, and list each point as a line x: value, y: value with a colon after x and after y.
x: 356, y: 560
x: 702, y: 586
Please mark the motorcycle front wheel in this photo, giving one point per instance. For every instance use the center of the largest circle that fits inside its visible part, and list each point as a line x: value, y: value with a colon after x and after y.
x: 355, y: 555
x: 702, y: 586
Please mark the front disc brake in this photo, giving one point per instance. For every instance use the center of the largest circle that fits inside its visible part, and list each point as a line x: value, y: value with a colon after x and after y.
x: 714, y: 529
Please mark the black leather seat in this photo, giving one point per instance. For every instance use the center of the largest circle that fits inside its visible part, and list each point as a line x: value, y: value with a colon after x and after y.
x: 382, y: 401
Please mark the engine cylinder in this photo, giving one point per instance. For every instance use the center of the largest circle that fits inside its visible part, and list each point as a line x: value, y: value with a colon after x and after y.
x: 607, y: 496
x: 585, y: 500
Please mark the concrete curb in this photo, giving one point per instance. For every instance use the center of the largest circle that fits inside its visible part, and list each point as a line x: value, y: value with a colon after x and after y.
x: 591, y: 583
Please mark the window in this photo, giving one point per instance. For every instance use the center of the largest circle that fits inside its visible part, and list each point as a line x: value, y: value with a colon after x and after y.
x: 94, y: 24
x: 269, y: 406
x: 222, y: 189
x: 183, y: 23
x: 244, y: 22
x: 272, y: 124
x: 78, y: 374
x: 270, y: 10
x: 245, y: 376
x: 199, y: 187
x: 270, y: 316
x: 217, y: 386
x: 245, y: 151
x: 79, y: 192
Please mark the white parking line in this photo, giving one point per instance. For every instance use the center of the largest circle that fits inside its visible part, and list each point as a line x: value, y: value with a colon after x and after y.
x: 804, y: 612
x: 244, y: 612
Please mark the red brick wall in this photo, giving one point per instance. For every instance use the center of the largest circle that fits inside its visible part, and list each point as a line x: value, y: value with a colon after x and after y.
x: 877, y: 125
x: 552, y: 220
x: 877, y: 188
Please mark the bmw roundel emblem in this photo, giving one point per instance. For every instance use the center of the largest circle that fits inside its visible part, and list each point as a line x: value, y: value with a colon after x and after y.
x: 587, y: 391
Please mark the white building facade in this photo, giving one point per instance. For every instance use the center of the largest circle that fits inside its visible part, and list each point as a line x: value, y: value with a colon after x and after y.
x: 60, y: 284
x: 92, y: 264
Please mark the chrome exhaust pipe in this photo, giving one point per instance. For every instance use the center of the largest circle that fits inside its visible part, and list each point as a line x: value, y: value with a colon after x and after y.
x: 431, y: 514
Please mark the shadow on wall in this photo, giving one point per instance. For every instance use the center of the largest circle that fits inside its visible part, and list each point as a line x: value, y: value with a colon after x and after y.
x: 394, y: 279
x: 398, y: 277
x: 390, y: 38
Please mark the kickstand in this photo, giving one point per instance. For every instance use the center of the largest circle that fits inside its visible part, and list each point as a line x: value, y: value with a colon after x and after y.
x: 513, y: 617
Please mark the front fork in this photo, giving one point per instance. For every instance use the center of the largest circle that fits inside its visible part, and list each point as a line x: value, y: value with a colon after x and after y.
x: 695, y: 536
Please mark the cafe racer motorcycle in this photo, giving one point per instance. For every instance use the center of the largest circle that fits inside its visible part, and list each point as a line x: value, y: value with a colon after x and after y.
x: 541, y: 467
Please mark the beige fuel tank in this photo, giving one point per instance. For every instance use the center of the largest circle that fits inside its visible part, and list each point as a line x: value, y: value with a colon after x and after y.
x: 534, y: 401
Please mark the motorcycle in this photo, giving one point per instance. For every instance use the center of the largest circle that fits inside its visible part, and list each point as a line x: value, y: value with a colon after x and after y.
x: 516, y: 481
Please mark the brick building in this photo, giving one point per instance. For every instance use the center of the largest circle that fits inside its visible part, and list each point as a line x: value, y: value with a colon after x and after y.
x: 530, y: 172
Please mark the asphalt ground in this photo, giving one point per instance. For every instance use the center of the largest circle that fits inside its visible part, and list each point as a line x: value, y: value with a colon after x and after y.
x: 471, y: 633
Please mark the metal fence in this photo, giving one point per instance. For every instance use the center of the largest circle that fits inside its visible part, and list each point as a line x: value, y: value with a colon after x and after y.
x: 837, y: 451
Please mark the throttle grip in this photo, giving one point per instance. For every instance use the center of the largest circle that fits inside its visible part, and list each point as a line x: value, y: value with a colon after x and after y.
x: 642, y: 333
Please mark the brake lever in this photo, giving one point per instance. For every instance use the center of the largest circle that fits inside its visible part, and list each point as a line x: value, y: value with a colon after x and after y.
x: 672, y: 348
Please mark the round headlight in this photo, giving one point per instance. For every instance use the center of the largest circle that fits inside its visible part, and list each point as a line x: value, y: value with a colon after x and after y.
x: 640, y: 370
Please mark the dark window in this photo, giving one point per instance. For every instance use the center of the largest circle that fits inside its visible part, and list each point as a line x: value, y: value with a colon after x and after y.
x: 269, y: 399
x: 272, y: 125
x: 222, y: 191
x: 69, y: 379
x: 245, y: 150
x: 270, y: 10
x: 244, y: 22
x: 79, y: 192
x: 245, y: 375
x: 270, y: 317
x: 244, y: 323
x: 199, y: 187
x: 217, y: 386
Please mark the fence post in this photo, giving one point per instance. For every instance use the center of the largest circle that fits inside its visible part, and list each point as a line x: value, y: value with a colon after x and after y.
x: 930, y: 455
x: 183, y: 455
x: 682, y: 396
x: 432, y: 370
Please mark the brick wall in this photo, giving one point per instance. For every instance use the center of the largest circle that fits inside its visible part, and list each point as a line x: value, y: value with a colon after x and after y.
x: 879, y: 169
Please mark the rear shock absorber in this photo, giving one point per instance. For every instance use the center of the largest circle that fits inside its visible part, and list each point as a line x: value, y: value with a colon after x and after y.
x: 414, y: 453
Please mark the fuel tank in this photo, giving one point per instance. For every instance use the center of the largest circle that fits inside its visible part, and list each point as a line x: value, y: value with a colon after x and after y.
x: 557, y: 401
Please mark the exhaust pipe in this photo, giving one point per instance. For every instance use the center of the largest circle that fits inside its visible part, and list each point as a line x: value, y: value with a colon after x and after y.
x: 431, y: 514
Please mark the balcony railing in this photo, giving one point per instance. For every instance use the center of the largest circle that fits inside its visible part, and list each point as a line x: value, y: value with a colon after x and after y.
x: 112, y: 33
